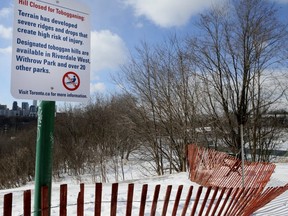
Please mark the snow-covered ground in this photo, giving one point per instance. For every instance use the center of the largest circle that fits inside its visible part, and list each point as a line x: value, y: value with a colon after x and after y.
x: 278, y: 207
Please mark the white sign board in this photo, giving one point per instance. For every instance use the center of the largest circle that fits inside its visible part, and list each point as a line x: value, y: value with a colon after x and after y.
x: 51, y: 49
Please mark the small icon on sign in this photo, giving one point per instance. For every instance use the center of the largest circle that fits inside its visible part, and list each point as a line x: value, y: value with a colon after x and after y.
x: 71, y: 81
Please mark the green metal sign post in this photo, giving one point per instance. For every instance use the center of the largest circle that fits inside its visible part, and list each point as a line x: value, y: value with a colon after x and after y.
x: 44, y: 152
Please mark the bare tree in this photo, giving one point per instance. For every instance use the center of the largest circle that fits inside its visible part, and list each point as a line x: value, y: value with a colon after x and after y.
x: 17, y: 157
x: 162, y: 80
x: 110, y: 132
x: 140, y: 74
x: 71, y: 141
x: 240, y: 45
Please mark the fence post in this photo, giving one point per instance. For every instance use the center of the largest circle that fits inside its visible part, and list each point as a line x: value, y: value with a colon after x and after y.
x: 177, y: 200
x: 197, y: 200
x: 98, y: 199
x: 188, y: 197
x: 166, y: 200
x: 7, y: 211
x: 155, y: 200
x: 63, y: 200
x: 114, y: 197
x: 27, y: 203
x: 129, y: 200
x: 205, y: 200
x: 143, y: 200
x: 80, y: 201
x: 223, y: 205
x: 45, y: 201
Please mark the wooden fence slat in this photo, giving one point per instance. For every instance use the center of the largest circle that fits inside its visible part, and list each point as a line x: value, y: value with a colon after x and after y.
x: 225, y: 201
x: 80, y: 201
x: 251, y: 175
x: 177, y: 200
x: 246, y: 199
x: 166, y: 200
x: 205, y: 200
x: 45, y: 208
x: 63, y: 200
x: 98, y: 199
x: 187, y: 201
x: 114, y: 196
x: 234, y: 193
x: 129, y: 199
x: 155, y: 200
x: 265, y: 197
x: 218, y: 201
x: 8, y: 198
x: 239, y: 201
x: 256, y: 179
x: 196, y: 200
x: 234, y: 201
x: 262, y: 179
x: 253, y: 204
x: 261, y: 200
x: 27, y: 203
x: 143, y: 199
x: 193, y: 163
x: 212, y: 201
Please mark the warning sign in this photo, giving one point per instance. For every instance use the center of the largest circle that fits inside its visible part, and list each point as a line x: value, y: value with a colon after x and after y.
x: 51, y: 50
x: 71, y: 81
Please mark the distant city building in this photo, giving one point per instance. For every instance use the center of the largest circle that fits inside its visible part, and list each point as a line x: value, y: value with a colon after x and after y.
x: 3, y: 110
x: 15, y: 106
x: 3, y: 107
x: 25, y: 106
x: 24, y: 110
x: 33, y: 111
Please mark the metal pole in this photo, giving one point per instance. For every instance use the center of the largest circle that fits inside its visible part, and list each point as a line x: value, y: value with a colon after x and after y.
x: 242, y: 154
x: 44, y: 153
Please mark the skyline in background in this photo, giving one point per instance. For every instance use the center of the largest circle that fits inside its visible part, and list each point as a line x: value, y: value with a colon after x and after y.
x: 117, y: 28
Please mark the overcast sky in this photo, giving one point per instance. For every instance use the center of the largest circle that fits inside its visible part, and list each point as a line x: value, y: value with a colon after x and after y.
x: 117, y: 27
